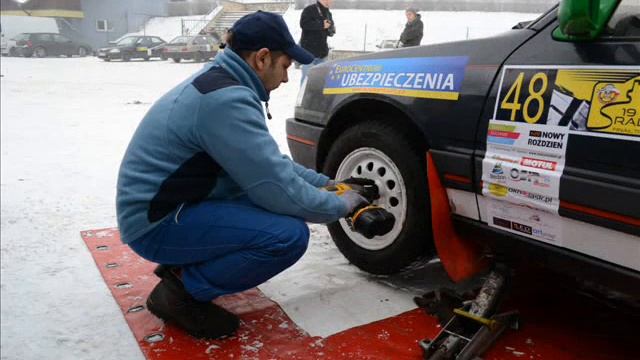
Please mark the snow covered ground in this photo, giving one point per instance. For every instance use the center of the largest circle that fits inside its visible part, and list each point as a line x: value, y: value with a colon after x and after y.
x: 65, y: 124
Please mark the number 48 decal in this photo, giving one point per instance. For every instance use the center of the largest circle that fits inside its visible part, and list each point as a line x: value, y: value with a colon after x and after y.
x: 525, y: 95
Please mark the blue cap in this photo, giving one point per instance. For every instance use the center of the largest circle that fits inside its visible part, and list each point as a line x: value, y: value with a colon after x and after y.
x: 267, y: 30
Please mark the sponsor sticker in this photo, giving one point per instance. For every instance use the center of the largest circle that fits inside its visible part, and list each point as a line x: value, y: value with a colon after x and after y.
x: 430, y: 78
x: 538, y: 163
x: 524, y: 221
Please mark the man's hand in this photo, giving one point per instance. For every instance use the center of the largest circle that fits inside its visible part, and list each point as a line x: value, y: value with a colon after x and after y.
x: 356, y: 181
x: 353, y: 200
x: 327, y: 24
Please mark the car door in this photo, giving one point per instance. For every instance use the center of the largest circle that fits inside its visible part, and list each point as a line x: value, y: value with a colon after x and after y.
x: 155, y: 49
x: 202, y: 44
x: 559, y: 155
x: 142, y: 46
x: 46, y: 41
x: 63, y: 45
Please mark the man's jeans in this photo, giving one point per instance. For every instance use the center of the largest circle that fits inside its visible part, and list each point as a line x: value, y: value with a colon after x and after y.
x: 225, y: 247
x: 306, y: 68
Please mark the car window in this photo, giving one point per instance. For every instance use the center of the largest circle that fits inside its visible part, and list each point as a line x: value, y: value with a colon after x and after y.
x: 180, y: 40
x: 42, y: 37
x: 60, y: 38
x: 624, y: 24
x: 21, y: 37
x: 543, y: 20
x: 200, y: 40
x: 127, y: 41
x: 156, y: 41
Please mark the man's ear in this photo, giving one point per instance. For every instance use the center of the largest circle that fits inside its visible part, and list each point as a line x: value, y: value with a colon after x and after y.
x: 263, y: 59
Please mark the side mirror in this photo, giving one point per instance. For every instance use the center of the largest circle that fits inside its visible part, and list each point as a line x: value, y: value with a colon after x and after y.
x: 583, y: 19
x: 379, y: 46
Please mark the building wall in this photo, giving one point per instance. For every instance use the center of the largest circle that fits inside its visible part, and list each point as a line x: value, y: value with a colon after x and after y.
x: 124, y: 16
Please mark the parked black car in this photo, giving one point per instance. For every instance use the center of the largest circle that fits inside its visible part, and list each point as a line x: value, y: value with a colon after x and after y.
x: 49, y: 44
x: 133, y: 47
x: 524, y: 143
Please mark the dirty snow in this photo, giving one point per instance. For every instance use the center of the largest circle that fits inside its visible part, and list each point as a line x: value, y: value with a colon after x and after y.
x: 65, y: 124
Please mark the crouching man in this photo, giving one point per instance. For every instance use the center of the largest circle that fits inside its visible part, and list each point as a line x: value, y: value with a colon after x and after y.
x: 204, y: 191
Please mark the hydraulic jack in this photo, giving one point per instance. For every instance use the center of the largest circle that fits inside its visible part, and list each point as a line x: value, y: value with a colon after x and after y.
x: 469, y: 327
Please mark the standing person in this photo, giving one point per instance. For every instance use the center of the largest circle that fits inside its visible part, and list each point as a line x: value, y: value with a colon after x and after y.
x: 412, y: 33
x: 317, y: 24
x: 204, y: 190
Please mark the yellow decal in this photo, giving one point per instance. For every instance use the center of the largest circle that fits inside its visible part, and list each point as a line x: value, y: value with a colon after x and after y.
x: 142, y: 49
x: 498, y: 190
x: 615, y: 108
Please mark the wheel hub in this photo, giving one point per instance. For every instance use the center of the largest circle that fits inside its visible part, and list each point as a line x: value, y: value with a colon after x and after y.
x: 373, y: 164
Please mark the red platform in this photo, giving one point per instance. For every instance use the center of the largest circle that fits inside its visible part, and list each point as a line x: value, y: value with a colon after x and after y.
x: 558, y: 327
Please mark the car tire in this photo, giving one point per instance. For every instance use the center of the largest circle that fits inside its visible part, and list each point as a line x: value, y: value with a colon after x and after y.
x: 176, y: 59
x: 126, y: 57
x: 197, y: 57
x: 82, y: 51
x: 40, y: 52
x: 146, y: 58
x: 164, y: 58
x: 107, y: 59
x: 375, y: 150
x: 13, y: 52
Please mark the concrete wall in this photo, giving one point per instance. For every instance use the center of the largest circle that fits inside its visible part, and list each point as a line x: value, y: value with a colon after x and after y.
x: 439, y: 5
x: 124, y: 15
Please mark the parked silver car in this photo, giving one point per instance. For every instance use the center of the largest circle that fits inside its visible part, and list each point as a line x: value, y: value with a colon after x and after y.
x: 197, y: 48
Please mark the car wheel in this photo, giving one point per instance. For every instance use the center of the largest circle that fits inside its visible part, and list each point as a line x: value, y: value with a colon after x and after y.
x: 163, y: 58
x: 176, y: 59
x: 126, y: 56
x: 383, y: 153
x: 146, y: 58
x: 13, y: 52
x: 107, y: 59
x: 40, y: 52
x: 197, y: 57
x: 82, y: 52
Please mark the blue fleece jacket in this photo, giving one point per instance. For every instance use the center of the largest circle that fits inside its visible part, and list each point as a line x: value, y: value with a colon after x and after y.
x: 207, y: 139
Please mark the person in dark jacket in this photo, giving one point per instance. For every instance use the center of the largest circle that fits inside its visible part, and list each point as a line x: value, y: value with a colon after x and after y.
x: 412, y: 33
x: 204, y: 190
x: 317, y: 24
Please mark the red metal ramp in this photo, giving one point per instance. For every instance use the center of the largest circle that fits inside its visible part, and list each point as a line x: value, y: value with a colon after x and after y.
x: 557, y: 329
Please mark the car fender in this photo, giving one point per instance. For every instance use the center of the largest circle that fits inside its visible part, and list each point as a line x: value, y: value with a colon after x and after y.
x: 390, y: 109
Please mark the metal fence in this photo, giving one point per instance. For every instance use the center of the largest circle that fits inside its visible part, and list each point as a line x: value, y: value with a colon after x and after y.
x: 193, y: 27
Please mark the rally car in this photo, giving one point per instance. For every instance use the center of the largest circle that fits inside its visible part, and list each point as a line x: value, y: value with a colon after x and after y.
x: 528, y: 140
x: 133, y: 47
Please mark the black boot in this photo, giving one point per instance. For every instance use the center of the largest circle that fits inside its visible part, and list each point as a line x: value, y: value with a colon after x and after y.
x: 172, y: 303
